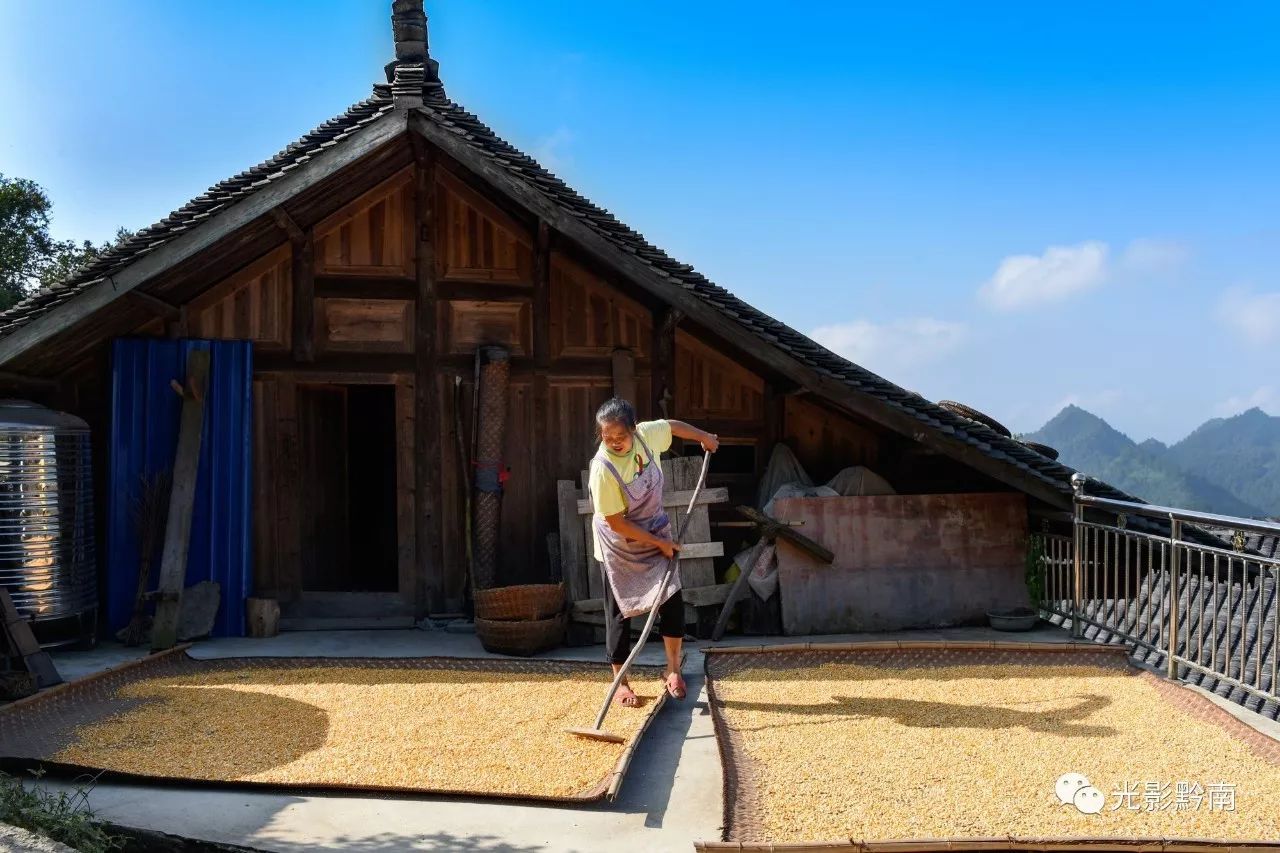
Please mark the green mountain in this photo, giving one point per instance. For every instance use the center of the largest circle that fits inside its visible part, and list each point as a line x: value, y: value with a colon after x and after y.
x: 1241, y: 454
x: 1088, y: 443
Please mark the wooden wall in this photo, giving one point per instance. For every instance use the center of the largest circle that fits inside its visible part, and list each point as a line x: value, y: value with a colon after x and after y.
x: 398, y: 285
x: 826, y: 442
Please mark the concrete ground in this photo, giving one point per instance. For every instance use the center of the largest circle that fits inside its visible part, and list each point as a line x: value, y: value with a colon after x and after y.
x: 670, y: 798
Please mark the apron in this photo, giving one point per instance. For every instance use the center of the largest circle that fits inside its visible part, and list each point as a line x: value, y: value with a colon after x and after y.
x: 633, y: 570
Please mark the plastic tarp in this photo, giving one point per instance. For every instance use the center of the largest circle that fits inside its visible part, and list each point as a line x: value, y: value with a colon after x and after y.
x: 144, y: 438
x: 786, y: 478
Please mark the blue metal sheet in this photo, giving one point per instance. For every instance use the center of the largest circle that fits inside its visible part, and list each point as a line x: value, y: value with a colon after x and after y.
x: 144, y: 437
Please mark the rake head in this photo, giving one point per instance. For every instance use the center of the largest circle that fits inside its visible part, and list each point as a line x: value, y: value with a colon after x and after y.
x: 597, y: 734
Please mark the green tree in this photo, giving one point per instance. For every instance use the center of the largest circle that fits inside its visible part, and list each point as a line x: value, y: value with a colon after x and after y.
x: 24, y: 237
x: 30, y: 259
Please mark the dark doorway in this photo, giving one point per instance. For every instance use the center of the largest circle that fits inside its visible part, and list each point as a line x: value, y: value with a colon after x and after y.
x: 348, y: 490
x: 371, y: 475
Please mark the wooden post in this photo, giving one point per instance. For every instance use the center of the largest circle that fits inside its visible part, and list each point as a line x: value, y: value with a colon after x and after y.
x: 682, y: 474
x: 182, y: 501
x: 180, y: 326
x: 774, y: 426
x: 286, y: 475
x: 544, y: 508
x: 263, y: 617
x: 430, y: 595
x: 624, y: 374
x: 573, y: 556
x: 664, y: 362
x: 304, y: 285
x: 19, y: 642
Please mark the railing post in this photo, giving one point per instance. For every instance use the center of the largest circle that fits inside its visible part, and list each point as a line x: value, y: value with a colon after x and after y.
x: 1175, y: 563
x: 1077, y: 529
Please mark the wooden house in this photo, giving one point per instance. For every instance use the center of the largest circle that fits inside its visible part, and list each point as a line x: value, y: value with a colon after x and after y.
x: 368, y: 260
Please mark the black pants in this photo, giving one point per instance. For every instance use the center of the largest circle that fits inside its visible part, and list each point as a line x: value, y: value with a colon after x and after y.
x: 617, y: 631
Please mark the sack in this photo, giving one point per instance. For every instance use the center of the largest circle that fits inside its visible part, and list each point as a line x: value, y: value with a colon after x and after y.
x: 763, y: 579
x: 859, y: 482
x: 783, y: 468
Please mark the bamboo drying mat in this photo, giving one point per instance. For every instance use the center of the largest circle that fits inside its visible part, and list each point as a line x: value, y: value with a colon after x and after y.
x: 207, y: 724
x: 743, y: 797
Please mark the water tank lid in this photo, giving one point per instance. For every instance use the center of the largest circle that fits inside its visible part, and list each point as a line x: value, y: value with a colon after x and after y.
x: 24, y: 415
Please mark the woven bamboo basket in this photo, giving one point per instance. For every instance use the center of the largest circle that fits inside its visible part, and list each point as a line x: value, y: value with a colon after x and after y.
x: 521, y: 638
x: 525, y: 602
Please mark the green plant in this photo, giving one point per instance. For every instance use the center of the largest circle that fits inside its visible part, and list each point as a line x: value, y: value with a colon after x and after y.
x: 1035, y: 569
x: 61, y: 816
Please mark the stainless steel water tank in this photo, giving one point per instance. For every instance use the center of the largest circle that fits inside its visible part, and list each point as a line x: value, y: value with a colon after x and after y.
x: 47, y: 559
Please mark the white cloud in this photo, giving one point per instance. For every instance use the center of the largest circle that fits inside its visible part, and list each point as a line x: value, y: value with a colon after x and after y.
x: 1266, y: 398
x: 1029, y: 281
x: 1253, y: 316
x: 553, y: 151
x: 1150, y: 256
x: 891, y: 348
x: 1025, y: 281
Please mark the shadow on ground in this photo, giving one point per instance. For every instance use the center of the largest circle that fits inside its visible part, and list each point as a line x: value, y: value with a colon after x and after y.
x: 148, y: 841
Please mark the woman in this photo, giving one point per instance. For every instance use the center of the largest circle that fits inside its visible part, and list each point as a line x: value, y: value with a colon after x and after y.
x: 633, y: 535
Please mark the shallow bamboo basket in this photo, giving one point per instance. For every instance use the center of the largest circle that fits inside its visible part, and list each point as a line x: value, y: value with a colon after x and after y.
x: 531, y: 601
x: 523, y: 638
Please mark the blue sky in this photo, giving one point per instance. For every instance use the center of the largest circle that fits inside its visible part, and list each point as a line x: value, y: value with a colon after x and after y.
x: 1012, y: 205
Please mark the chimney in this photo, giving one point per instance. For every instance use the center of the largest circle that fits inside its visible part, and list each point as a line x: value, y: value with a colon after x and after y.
x: 413, y: 69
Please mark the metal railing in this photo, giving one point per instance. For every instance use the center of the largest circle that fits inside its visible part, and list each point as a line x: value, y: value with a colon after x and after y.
x: 1182, y: 584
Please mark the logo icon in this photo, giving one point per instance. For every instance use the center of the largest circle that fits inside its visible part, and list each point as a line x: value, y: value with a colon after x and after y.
x: 1074, y: 789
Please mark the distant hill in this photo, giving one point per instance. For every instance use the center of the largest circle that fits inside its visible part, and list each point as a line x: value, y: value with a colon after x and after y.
x: 1088, y: 443
x: 1241, y: 454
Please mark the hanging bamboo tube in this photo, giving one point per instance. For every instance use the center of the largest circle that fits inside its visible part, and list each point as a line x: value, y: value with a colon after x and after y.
x: 489, y: 473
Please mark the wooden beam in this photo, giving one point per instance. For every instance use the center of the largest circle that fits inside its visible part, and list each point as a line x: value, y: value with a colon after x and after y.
x: 182, y: 501
x: 287, y: 225
x: 195, y: 240
x: 736, y: 591
x: 154, y: 304
x: 19, y: 642
x: 8, y: 377
x: 331, y: 288
x: 698, y: 596
x: 772, y: 528
x: 775, y: 416
x: 835, y: 390
x: 624, y: 374
x: 428, y: 423
x: 483, y: 291
x: 390, y: 365
x: 717, y: 495
x: 663, y: 383
x: 180, y: 326
x: 524, y: 367
x: 304, y: 298
x: 545, y: 520
x: 542, y: 297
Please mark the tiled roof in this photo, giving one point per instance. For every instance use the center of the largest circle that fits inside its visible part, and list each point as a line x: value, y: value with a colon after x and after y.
x: 1223, y: 622
x: 487, y: 144
x: 1007, y: 450
x: 195, y: 211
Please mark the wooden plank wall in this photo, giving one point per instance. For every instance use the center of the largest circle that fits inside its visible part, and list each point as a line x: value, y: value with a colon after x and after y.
x: 371, y: 236
x: 825, y: 441
x: 333, y: 298
x: 254, y: 304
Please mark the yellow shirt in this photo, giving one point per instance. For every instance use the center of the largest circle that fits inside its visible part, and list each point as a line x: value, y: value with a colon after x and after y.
x: 606, y: 494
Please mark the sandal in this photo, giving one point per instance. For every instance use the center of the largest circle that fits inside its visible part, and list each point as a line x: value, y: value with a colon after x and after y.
x: 675, y: 691
x: 628, y: 699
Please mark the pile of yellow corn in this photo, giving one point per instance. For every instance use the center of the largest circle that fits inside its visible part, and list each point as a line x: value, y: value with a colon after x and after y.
x: 464, y: 730
x: 847, y: 750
